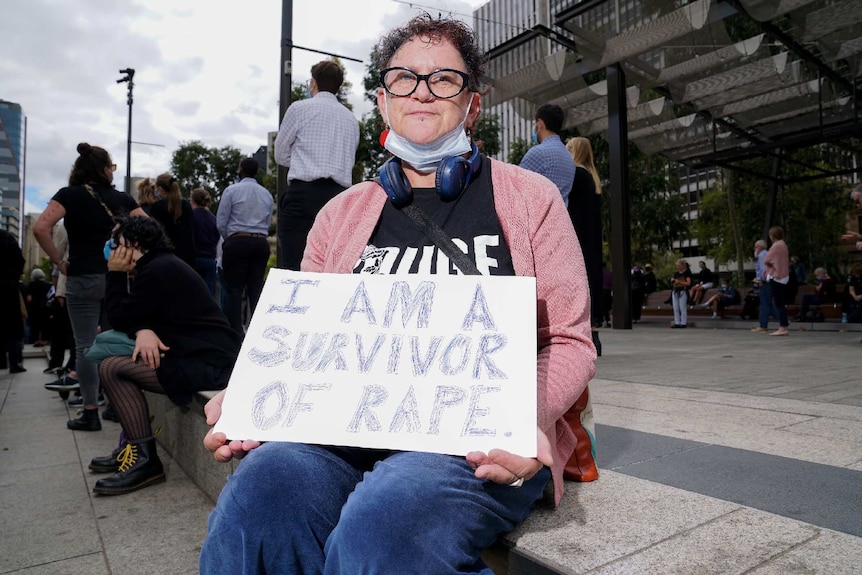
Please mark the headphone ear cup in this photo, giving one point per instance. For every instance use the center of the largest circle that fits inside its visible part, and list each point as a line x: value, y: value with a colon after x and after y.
x: 395, y: 183
x: 451, y: 178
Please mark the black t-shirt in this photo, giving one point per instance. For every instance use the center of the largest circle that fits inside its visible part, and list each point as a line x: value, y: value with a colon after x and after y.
x: 681, y: 276
x: 398, y: 246
x: 89, y: 225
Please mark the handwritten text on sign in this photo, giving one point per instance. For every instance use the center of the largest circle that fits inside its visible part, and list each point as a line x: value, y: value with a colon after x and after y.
x: 444, y: 364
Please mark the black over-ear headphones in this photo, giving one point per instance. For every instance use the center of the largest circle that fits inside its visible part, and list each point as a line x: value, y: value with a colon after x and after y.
x: 453, y: 175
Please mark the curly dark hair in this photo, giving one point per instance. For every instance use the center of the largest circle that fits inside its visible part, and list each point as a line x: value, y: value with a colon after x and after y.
x: 435, y: 29
x: 144, y: 233
x: 89, y: 167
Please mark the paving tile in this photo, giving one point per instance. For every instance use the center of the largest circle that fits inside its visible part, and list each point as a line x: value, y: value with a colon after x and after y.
x: 829, y: 553
x: 611, y: 518
x: 733, y: 543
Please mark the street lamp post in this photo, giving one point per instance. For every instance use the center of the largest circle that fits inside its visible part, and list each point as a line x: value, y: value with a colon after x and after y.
x: 129, y: 74
x: 285, y: 87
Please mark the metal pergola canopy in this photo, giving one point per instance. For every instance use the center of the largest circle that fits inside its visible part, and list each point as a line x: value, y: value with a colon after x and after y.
x: 709, y: 82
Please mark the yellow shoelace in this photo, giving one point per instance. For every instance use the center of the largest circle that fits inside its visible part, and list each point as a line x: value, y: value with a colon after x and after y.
x: 127, y: 457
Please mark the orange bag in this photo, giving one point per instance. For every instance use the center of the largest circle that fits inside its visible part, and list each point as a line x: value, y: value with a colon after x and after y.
x: 582, y: 464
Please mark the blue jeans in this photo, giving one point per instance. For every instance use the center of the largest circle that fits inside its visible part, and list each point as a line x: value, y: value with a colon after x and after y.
x: 680, y: 307
x: 292, y: 508
x: 206, y: 268
x: 84, y: 295
x: 766, y: 306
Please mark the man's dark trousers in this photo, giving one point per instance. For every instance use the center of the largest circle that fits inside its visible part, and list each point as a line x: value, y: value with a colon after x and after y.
x: 296, y: 212
x: 244, y: 259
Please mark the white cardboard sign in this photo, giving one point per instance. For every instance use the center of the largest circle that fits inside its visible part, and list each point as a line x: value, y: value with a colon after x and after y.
x: 437, y: 363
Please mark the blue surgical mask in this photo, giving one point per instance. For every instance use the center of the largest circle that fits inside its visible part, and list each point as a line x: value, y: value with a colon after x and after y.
x: 534, y: 137
x: 425, y: 158
x: 110, y: 246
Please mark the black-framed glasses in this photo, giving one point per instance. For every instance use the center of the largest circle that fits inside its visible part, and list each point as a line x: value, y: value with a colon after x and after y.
x: 444, y: 83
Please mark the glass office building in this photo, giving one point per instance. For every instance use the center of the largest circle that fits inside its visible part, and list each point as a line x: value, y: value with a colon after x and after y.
x: 13, y: 151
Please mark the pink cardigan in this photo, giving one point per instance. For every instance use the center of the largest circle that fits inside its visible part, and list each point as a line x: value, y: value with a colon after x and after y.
x: 777, y: 261
x: 543, y: 244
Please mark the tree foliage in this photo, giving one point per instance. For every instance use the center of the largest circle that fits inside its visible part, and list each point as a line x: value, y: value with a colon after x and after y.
x: 487, y: 130
x: 517, y: 151
x: 812, y: 213
x: 655, y: 207
x: 195, y: 165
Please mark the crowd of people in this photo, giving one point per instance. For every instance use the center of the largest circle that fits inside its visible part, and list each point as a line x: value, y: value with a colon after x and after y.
x: 148, y: 295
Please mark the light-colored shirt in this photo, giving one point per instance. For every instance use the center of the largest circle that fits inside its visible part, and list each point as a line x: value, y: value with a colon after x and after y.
x: 552, y: 160
x: 318, y: 139
x: 245, y: 206
x: 760, y: 267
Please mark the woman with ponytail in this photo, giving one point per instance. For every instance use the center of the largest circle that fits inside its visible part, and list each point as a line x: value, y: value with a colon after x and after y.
x: 89, y: 207
x: 175, y: 215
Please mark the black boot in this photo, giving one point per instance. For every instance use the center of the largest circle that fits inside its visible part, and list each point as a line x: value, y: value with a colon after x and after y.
x: 139, y: 467
x: 597, y: 343
x: 110, y: 463
x: 89, y: 421
x: 109, y: 413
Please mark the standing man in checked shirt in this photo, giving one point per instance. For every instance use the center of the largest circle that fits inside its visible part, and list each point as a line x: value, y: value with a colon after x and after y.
x: 550, y: 157
x: 243, y: 218
x: 317, y: 141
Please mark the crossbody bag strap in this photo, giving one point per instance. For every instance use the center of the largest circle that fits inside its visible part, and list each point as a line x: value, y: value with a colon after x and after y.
x: 441, y: 239
x: 100, y: 200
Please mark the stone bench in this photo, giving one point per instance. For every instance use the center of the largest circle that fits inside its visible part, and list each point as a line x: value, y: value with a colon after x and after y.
x: 182, y: 435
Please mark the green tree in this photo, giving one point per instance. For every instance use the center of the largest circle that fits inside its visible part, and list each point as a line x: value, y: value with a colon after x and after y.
x: 195, y: 165
x: 370, y: 155
x: 487, y: 130
x: 655, y: 207
x: 812, y: 213
x: 517, y: 151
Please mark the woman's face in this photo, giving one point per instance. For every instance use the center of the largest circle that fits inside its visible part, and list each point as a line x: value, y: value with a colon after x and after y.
x: 421, y: 117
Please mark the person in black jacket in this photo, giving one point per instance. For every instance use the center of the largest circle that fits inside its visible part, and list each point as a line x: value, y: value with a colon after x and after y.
x: 176, y: 216
x: 585, y: 209
x: 12, y: 326
x: 183, y: 344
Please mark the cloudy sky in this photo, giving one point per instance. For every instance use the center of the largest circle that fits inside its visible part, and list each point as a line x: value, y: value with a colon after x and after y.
x: 205, y: 70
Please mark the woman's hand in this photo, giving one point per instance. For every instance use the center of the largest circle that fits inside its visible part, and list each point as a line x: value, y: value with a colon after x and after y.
x: 222, y: 449
x: 121, y: 260
x: 150, y: 348
x: 501, y: 466
x: 851, y: 235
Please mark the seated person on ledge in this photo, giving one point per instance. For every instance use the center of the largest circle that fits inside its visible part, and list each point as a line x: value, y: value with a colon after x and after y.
x: 305, y: 508
x: 823, y: 293
x: 183, y: 344
x: 702, y: 283
x: 725, y: 296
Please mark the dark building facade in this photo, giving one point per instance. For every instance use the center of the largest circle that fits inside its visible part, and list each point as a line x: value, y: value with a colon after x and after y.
x: 13, y: 153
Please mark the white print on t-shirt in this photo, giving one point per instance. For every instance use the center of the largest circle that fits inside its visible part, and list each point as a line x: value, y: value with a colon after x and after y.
x: 384, y: 261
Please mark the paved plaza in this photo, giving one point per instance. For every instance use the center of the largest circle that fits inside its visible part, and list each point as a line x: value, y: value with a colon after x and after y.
x: 721, y: 451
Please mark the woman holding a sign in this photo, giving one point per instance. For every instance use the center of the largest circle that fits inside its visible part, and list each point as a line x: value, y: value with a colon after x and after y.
x: 307, y: 508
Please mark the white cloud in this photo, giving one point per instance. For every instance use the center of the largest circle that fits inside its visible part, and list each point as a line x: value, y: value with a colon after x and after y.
x: 205, y: 71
